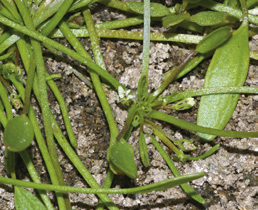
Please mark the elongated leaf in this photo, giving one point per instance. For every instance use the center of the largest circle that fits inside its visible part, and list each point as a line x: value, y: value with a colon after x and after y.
x: 213, y: 40
x: 25, y: 200
x: 229, y: 67
x: 143, y: 150
x: 157, y: 10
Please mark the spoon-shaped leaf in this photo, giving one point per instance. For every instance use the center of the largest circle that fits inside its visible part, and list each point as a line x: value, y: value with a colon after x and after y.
x: 229, y: 67
x: 26, y: 200
x: 18, y: 133
x: 121, y: 160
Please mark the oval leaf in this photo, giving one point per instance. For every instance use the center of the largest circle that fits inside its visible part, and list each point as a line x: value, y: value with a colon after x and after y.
x: 121, y: 159
x: 157, y: 10
x: 213, y: 40
x: 25, y: 200
x: 209, y: 18
x: 18, y: 133
x: 173, y: 19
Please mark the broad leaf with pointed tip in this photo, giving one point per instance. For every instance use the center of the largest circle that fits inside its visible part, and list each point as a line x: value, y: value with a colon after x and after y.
x: 121, y: 159
x: 25, y: 200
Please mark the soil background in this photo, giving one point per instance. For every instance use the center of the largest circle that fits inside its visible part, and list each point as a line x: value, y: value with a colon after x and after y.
x: 230, y: 182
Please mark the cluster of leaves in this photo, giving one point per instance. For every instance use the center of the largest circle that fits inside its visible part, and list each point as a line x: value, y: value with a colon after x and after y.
x: 27, y: 25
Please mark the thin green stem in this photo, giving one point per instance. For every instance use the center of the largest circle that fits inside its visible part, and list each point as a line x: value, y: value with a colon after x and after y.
x: 3, y: 119
x: 9, y: 156
x: 120, y: 23
x: 35, y: 177
x: 134, y: 35
x: 129, y: 119
x: 5, y: 36
x: 79, y: 4
x: 107, y: 184
x: 5, y: 100
x: 192, y: 127
x: 5, y: 12
x: 186, y: 187
x: 95, y: 78
x: 12, y: 10
x: 163, y: 185
x: 169, y: 79
x: 47, y: 11
x: 6, y: 56
x: 98, y: 87
x: 208, y: 91
x: 8, y: 42
x: 64, y: 111
x: 245, y: 11
x: 82, y: 78
x: 65, y: 146
x: 48, y: 28
x: 206, y: 154
x: 80, y: 166
x: 5, y: 84
x: 42, y: 86
x: 44, y: 39
x: 189, y: 66
x: 73, y: 157
x: 163, y: 137
x: 40, y: 140
x: 29, y: 84
x: 53, y: 86
x: 146, y: 42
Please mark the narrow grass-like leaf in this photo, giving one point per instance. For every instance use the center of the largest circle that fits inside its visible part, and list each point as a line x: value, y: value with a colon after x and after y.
x: 190, y: 126
x: 163, y: 185
x: 186, y: 187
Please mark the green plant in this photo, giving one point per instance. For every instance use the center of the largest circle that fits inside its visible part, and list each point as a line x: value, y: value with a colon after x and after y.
x: 25, y: 29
